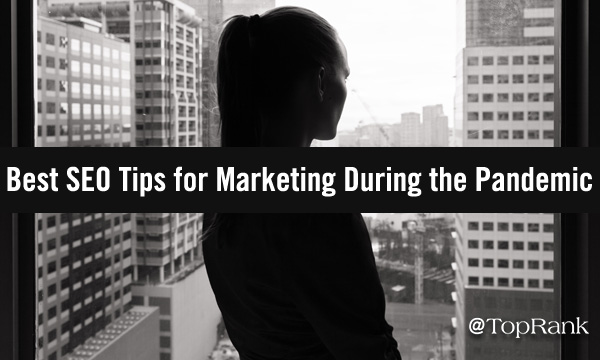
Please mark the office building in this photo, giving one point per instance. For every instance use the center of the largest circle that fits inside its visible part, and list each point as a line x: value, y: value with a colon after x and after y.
x: 435, y: 127
x: 165, y: 38
x: 505, y: 269
x: 84, y: 278
x: 505, y: 97
x: 505, y: 87
x: 408, y: 132
x: 84, y: 85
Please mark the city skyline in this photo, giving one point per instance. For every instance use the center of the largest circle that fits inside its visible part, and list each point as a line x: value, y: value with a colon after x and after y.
x: 391, y: 73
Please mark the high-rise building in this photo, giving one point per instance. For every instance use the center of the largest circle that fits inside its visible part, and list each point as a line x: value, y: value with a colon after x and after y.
x: 505, y: 269
x: 408, y: 132
x: 505, y: 87
x: 435, y: 127
x: 165, y: 38
x: 84, y: 260
x: 505, y: 97
x: 84, y: 280
x: 84, y: 85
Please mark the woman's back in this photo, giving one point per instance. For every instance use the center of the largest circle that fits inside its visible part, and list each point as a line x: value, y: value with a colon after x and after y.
x: 296, y: 286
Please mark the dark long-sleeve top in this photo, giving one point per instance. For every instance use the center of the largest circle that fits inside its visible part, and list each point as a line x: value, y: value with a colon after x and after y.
x: 294, y: 286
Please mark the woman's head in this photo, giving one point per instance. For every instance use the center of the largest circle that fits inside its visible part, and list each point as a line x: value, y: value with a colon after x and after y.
x: 280, y: 79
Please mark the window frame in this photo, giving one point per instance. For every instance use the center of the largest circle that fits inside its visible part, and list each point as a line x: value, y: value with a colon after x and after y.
x: 573, y: 275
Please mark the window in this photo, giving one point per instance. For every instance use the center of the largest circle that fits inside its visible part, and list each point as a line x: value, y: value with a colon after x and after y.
x: 473, y: 225
x: 487, y: 134
x: 50, y: 39
x: 533, y: 283
x: 502, y: 226
x: 533, y: 115
x: 533, y: 264
x: 488, y: 79
x: 502, y: 245
x: 548, y: 284
x: 548, y: 246
x: 75, y: 45
x: 488, y: 244
x: 473, y: 280
x: 533, y: 227
x: 548, y: 78
x: 517, y: 97
x: 548, y: 265
x: 548, y: 115
x: 518, y: 264
x: 503, y: 97
x: 488, y: 263
x: 549, y: 97
x: 75, y: 66
x: 473, y: 97
x: 518, y: 79
x: 488, y: 226
x: 502, y: 281
x: 548, y: 228
x: 472, y: 79
x: 473, y: 116
x: 533, y: 246
x: 50, y: 108
x: 502, y: 60
x: 488, y: 115
x: 518, y: 134
x: 533, y: 134
x: 50, y: 85
x: 548, y: 59
x: 518, y: 60
x: 517, y: 282
x: 488, y: 60
x: 488, y: 97
x: 518, y: 245
x: 533, y: 78
x: 533, y: 97
x: 533, y: 60
x: 473, y: 244
x: 502, y: 79
x: 518, y: 116
x: 473, y: 134
x: 517, y: 227
x: 503, y: 116
x: 50, y: 62
x: 503, y: 263
x: 503, y: 134
x: 473, y: 262
x: 488, y: 281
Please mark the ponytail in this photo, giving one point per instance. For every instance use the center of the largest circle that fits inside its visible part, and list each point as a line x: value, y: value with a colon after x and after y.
x: 236, y: 78
x: 258, y: 58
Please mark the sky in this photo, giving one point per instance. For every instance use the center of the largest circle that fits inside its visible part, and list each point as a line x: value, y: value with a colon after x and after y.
x: 401, y: 55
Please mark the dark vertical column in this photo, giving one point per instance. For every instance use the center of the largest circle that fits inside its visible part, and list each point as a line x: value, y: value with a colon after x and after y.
x: 579, y: 249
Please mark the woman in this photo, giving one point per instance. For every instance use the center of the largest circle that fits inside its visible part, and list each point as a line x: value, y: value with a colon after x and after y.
x: 291, y: 286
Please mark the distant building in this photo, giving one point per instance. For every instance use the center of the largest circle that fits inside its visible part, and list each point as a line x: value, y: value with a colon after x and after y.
x: 407, y: 133
x: 435, y: 127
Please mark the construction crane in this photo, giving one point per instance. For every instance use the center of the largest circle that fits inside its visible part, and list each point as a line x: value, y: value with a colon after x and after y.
x: 379, y: 126
x: 417, y: 228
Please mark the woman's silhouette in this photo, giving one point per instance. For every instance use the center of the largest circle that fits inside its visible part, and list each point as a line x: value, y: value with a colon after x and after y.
x: 291, y: 286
